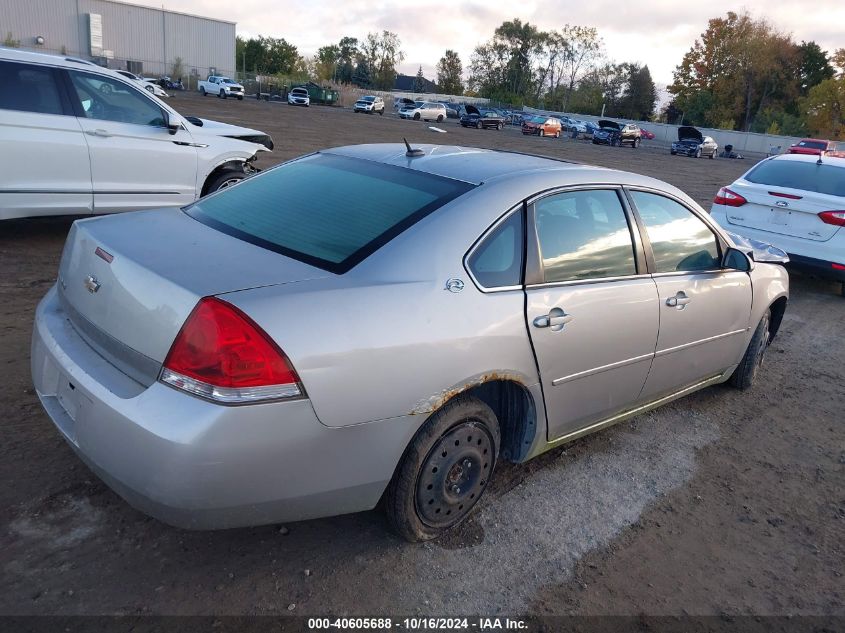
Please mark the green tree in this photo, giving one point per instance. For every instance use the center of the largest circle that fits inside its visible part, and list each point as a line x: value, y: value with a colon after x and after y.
x: 382, y: 52
x: 824, y: 108
x: 640, y: 94
x: 815, y: 66
x: 326, y: 62
x: 449, y: 74
x: 503, y: 67
x: 362, y: 77
x: 582, y: 46
x: 419, y: 81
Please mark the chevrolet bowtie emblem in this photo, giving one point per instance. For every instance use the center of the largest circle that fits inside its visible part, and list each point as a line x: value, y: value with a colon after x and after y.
x: 92, y: 284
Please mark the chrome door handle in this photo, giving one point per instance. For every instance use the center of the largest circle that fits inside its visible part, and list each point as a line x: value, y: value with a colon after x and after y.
x: 555, y: 319
x: 99, y: 132
x: 679, y: 301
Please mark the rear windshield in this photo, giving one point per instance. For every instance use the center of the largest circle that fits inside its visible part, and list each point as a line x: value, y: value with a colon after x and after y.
x: 812, y: 144
x: 325, y: 210
x: 826, y: 178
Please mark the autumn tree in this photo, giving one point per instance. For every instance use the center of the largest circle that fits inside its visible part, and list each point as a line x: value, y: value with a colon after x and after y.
x: 450, y: 74
x: 825, y: 108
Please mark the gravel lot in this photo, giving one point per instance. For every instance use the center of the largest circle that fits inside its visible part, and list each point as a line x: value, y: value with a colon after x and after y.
x: 721, y: 503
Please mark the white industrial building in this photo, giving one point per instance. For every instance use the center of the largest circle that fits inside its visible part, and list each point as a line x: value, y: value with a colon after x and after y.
x: 143, y: 40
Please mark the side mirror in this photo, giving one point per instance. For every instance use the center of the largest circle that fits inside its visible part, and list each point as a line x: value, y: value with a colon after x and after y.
x: 173, y: 122
x: 735, y: 259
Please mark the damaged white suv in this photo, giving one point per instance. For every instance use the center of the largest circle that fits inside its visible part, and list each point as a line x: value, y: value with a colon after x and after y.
x: 84, y: 140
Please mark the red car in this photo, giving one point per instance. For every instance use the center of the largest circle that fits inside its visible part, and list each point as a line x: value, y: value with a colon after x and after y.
x: 813, y: 146
x: 647, y: 134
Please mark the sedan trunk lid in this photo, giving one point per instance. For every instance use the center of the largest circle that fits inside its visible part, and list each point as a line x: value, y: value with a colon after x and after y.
x: 128, y: 282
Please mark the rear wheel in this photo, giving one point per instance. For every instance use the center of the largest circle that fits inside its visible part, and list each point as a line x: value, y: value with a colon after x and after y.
x: 444, y: 471
x: 417, y: 116
x: 240, y: 97
x: 636, y: 143
x: 542, y: 132
x: 381, y: 112
x: 203, y: 92
x: 222, y: 94
x: 557, y: 133
x: 478, y: 125
x: 439, y: 118
x: 500, y: 125
x: 746, y: 371
x: 698, y: 153
x: 713, y: 154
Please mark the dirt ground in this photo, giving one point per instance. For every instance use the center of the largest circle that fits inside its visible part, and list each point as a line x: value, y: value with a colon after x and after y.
x: 721, y: 503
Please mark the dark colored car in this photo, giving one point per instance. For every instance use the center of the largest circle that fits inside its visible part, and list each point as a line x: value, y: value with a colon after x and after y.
x: 482, y: 118
x: 616, y: 134
x: 811, y: 146
x: 691, y: 142
x: 451, y: 109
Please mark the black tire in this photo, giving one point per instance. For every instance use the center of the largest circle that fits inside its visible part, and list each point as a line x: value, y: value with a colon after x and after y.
x: 241, y: 98
x: 224, y: 179
x: 416, y: 116
x: 203, y: 92
x: 712, y: 155
x: 439, y: 118
x: 500, y: 125
x: 222, y: 94
x: 746, y: 371
x: 673, y: 153
x: 381, y: 112
x: 636, y: 143
x: 446, y: 468
x: 698, y: 153
x: 479, y: 125
x: 541, y: 132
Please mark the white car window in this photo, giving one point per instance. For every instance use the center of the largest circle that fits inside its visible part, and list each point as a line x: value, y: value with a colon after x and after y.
x: 107, y: 99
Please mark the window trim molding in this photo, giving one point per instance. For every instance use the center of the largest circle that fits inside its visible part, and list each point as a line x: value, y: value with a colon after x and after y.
x: 535, y: 271
x: 519, y: 208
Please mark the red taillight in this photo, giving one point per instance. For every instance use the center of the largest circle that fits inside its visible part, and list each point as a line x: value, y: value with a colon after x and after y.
x: 728, y: 198
x: 784, y: 195
x: 223, y: 355
x: 833, y: 217
x: 837, y: 267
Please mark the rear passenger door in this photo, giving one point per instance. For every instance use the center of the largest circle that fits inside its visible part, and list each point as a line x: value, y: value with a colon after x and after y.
x: 45, y: 165
x: 704, y: 309
x: 591, y: 306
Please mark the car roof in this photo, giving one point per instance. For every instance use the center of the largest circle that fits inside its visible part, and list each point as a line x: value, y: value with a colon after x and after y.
x: 14, y: 54
x: 476, y: 166
x: 810, y: 158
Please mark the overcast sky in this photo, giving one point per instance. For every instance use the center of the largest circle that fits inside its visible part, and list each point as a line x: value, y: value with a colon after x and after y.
x: 653, y: 32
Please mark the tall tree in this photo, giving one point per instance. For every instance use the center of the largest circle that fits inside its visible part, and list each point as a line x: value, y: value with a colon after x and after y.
x: 326, y: 62
x: 449, y: 74
x: 419, y: 81
x: 582, y: 46
x: 362, y: 77
x: 825, y: 108
x: 267, y: 55
x: 815, y: 66
x: 382, y: 52
x: 503, y: 67
x: 640, y: 94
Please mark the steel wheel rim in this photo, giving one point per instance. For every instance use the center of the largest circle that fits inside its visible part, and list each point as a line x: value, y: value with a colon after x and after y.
x: 454, y: 474
x: 761, y: 347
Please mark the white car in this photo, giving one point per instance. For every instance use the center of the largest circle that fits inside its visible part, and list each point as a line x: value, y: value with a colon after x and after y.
x: 78, y: 139
x: 369, y: 104
x: 299, y: 96
x: 425, y: 110
x: 795, y: 202
x: 222, y: 87
x: 146, y: 84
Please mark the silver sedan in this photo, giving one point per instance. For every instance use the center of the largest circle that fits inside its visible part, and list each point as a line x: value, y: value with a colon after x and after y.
x: 375, y: 322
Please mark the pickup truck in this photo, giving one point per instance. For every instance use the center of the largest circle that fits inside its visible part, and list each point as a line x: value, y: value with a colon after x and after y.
x: 223, y: 87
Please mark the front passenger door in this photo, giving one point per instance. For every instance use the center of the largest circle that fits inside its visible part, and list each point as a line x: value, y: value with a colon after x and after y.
x: 704, y: 309
x: 591, y: 308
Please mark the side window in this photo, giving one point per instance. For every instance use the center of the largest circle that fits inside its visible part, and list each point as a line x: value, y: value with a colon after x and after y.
x: 29, y: 88
x: 497, y: 262
x: 108, y: 99
x: 680, y: 240
x: 584, y: 235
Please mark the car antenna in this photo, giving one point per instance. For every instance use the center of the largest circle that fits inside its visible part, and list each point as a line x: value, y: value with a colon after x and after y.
x: 412, y: 151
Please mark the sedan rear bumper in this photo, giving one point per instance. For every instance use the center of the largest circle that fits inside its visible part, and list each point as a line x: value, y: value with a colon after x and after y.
x: 199, y: 465
x: 818, y: 267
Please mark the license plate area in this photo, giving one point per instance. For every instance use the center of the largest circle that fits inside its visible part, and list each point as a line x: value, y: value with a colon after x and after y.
x: 779, y: 217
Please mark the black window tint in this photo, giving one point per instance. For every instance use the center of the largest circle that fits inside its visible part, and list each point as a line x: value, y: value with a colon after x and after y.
x: 108, y: 99
x: 328, y: 211
x: 825, y: 178
x: 29, y: 88
x: 680, y: 240
x: 584, y: 235
x: 497, y: 262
